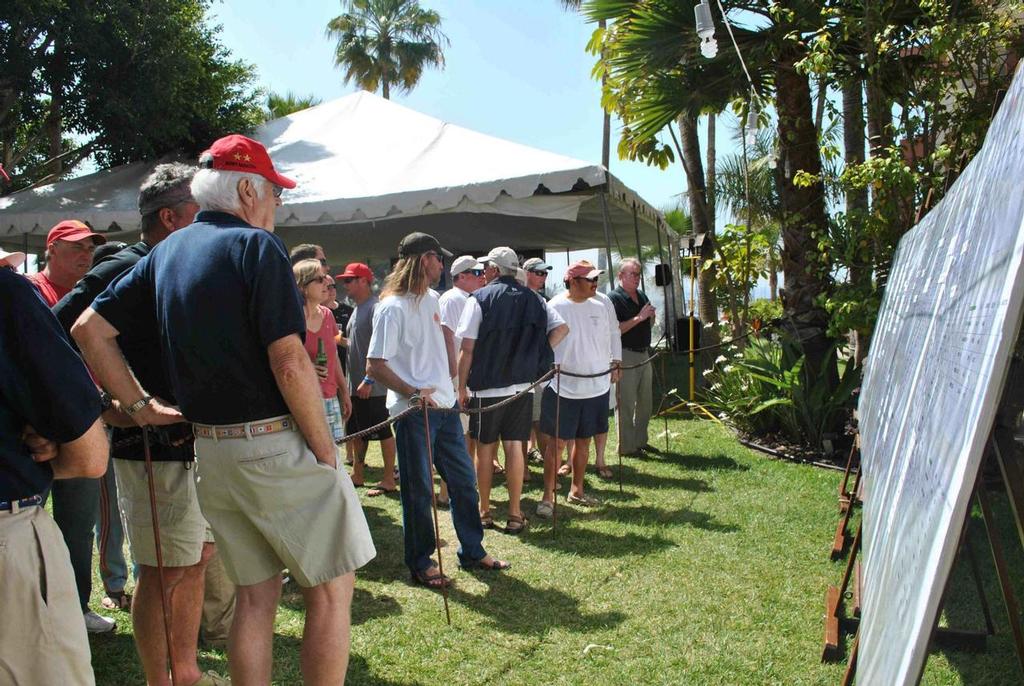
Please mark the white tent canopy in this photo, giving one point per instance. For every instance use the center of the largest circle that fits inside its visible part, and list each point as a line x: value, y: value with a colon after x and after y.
x: 369, y: 171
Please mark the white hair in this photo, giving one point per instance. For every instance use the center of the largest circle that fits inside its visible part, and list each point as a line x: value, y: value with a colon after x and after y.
x: 216, y: 189
x: 633, y: 261
x: 506, y: 271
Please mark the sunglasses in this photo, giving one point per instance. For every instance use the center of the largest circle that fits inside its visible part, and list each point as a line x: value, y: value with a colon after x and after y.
x: 475, y: 272
x: 331, y: 287
x: 278, y: 190
x: 539, y: 272
x: 348, y: 279
x: 592, y: 280
x: 318, y: 279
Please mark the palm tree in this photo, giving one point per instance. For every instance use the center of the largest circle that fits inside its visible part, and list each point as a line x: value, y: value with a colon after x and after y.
x: 387, y: 43
x: 282, y: 105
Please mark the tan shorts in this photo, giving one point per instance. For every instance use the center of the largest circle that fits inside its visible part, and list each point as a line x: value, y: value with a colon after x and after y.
x: 182, y: 527
x: 44, y: 642
x: 272, y: 506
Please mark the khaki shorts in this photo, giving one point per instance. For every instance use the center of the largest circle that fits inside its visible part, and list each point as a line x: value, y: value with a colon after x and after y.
x: 182, y: 527
x: 44, y: 642
x: 272, y: 506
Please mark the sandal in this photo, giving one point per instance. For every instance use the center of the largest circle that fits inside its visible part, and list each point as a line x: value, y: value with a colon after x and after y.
x: 495, y: 565
x: 431, y: 581
x: 565, y: 469
x: 582, y: 500
x: 379, y: 490
x: 498, y: 469
x: 117, y: 600
x: 516, y: 524
x: 605, y: 472
x: 486, y: 520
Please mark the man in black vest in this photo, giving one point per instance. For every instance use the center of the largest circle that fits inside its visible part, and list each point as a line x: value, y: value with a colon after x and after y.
x: 507, y: 336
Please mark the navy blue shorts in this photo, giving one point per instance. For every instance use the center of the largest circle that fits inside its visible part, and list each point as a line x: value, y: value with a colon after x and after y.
x: 576, y: 418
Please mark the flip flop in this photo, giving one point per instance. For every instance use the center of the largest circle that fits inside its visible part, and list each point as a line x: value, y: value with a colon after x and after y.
x: 565, y: 469
x: 495, y: 565
x: 380, y: 490
x: 434, y: 582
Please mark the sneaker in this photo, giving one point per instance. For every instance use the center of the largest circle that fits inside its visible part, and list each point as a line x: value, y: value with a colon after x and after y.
x: 534, y: 455
x: 95, y: 624
x: 545, y: 510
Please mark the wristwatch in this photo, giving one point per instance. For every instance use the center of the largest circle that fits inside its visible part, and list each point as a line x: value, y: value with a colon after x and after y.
x: 414, y: 398
x: 138, y: 405
x: 106, y: 401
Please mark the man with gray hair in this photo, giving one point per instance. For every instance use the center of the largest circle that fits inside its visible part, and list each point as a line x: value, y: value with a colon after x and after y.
x: 231, y: 326
x: 166, y: 205
x: 507, y: 335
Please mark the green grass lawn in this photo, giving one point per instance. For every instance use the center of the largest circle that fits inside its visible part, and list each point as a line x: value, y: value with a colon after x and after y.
x: 709, y: 568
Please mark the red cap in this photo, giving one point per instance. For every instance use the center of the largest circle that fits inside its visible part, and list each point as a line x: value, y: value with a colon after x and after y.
x: 582, y: 268
x: 356, y: 270
x: 241, y: 154
x: 73, y: 230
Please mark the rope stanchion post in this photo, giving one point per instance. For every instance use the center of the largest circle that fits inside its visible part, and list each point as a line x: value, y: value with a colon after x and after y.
x: 557, y: 450
x: 433, y: 502
x: 159, y: 554
x: 618, y: 428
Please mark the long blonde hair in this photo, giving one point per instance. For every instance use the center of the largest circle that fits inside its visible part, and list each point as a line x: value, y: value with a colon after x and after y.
x: 407, y: 276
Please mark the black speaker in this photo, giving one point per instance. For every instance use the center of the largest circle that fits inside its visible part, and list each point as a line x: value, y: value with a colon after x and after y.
x: 683, y: 333
x: 663, y: 275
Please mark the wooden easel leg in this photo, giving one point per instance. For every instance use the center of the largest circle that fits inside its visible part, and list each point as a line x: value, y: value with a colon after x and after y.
x: 995, y: 542
x: 972, y: 560
x: 834, y: 598
x: 851, y: 665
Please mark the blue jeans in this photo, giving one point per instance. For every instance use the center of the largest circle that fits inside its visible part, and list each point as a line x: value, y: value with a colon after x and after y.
x: 454, y: 466
x: 110, y: 535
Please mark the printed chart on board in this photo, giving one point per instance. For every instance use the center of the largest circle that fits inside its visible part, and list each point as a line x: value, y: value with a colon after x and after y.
x: 932, y: 382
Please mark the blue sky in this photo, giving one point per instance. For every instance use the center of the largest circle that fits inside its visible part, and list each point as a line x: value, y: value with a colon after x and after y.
x: 516, y: 69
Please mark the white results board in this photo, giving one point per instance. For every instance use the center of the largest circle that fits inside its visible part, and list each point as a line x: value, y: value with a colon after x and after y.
x: 932, y: 382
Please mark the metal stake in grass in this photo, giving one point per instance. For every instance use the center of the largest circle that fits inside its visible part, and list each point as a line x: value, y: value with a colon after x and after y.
x: 618, y: 412
x: 159, y: 553
x: 433, y: 502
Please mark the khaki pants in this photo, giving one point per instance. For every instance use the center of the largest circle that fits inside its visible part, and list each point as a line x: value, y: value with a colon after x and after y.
x: 42, y: 635
x: 218, y: 603
x: 635, y: 389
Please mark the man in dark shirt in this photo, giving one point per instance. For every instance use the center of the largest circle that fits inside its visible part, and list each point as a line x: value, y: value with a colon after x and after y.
x: 635, y: 314
x: 231, y: 326
x: 49, y: 429
x: 166, y: 205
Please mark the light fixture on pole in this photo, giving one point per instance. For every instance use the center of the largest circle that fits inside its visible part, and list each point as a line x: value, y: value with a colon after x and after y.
x: 752, y: 126
x: 705, y: 29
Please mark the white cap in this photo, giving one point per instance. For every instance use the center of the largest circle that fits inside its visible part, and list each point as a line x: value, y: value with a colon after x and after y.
x: 535, y: 264
x: 11, y: 259
x: 503, y: 257
x: 464, y: 263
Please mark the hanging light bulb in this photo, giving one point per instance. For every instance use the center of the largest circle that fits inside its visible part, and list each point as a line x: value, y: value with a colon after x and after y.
x: 752, y: 124
x: 705, y: 29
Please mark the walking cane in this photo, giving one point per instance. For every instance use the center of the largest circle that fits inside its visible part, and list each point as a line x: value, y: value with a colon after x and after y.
x: 433, y: 501
x: 159, y: 552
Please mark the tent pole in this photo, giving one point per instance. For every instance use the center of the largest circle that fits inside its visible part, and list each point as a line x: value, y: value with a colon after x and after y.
x: 636, y: 235
x: 607, y: 237
x: 24, y: 249
x: 669, y: 333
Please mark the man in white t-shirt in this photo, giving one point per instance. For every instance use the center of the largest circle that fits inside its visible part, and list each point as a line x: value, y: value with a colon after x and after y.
x: 507, y: 335
x: 408, y: 354
x: 467, y: 276
x: 583, y: 402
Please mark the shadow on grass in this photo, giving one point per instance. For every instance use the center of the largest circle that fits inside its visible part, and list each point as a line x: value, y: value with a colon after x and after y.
x: 365, y: 605
x: 647, y: 515
x: 503, y: 607
x: 632, y: 477
x: 115, y: 660
x: 692, y: 461
x: 287, y: 669
x: 586, y: 542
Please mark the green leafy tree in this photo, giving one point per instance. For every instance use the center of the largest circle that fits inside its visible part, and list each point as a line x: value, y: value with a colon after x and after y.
x: 387, y: 43
x: 115, y: 80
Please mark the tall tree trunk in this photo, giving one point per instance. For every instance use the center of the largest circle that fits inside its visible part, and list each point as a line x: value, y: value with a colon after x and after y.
x: 711, y: 170
x: 702, y: 223
x: 385, y: 89
x: 53, y: 123
x: 856, y: 198
x: 803, y: 215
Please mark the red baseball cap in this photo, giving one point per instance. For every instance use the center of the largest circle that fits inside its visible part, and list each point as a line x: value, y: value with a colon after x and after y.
x: 356, y: 270
x: 241, y: 154
x: 73, y: 230
x: 584, y: 269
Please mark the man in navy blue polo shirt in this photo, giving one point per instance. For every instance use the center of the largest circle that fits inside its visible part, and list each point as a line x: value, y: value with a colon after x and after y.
x: 231, y: 327
x: 49, y: 428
